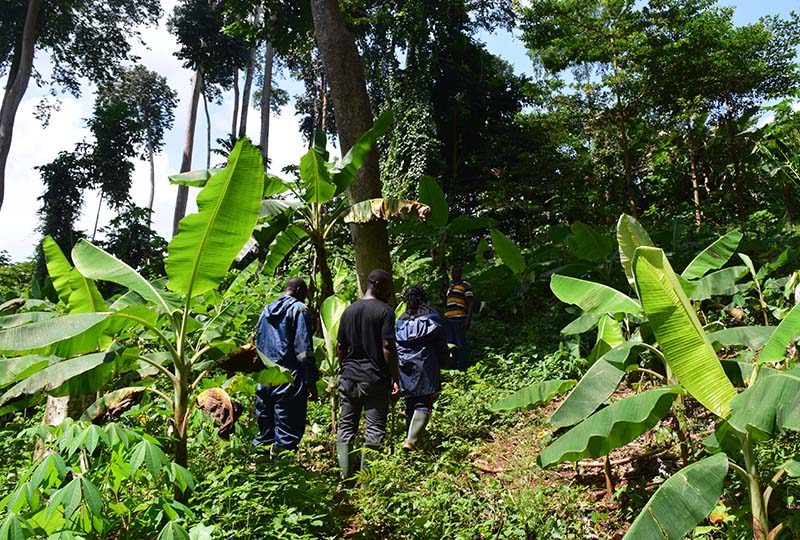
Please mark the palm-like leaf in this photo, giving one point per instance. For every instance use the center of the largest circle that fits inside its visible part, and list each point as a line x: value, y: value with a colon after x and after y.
x: 683, y: 341
x: 786, y: 331
x: 630, y: 235
x: 714, y: 256
x: 345, y: 170
x: 533, y: 395
x: 592, y: 297
x: 431, y: 194
x: 208, y: 241
x: 30, y: 337
x: 283, y: 244
x: 508, y: 252
x: 385, y: 208
x: 771, y: 405
x: 316, y: 179
x: 330, y: 314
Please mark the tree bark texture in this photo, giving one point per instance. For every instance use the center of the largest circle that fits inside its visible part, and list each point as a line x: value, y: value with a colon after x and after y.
x: 266, y: 97
x: 17, y: 85
x: 698, y: 213
x: 345, y: 73
x: 248, y: 85
x: 235, y: 119
x: 188, y: 148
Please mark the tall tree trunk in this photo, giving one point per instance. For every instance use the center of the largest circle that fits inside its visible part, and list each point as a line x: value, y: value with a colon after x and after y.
x: 18, y: 78
x: 188, y: 147
x: 733, y: 153
x: 248, y: 84
x: 345, y: 73
x: 626, y: 157
x: 788, y: 202
x: 151, y: 159
x: 235, y: 119
x: 97, y: 217
x: 266, y: 97
x: 698, y: 214
x: 208, y: 130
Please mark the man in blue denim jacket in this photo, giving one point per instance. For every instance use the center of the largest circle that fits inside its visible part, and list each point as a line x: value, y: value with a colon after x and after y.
x: 285, y: 336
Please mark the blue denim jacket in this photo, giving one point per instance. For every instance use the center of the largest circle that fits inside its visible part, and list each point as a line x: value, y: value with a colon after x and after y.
x: 284, y: 334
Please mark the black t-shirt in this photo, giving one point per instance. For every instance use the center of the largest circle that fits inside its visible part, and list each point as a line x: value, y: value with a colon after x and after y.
x: 362, y: 329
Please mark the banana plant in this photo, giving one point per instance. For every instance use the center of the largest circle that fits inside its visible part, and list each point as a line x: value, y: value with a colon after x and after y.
x: 150, y: 328
x: 330, y: 314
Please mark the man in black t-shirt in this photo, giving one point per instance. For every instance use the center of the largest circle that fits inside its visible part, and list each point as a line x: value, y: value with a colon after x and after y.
x: 368, y: 364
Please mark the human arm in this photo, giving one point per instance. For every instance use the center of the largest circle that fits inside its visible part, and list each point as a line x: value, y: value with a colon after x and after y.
x: 304, y: 350
x: 468, y: 304
x: 390, y: 357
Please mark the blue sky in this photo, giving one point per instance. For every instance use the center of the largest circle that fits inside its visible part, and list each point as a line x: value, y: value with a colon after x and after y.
x: 34, y: 145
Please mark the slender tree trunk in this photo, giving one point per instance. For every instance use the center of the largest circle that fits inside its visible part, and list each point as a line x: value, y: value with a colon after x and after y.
x: 266, y: 97
x: 626, y: 157
x: 208, y: 130
x: 788, y: 203
x: 235, y: 119
x: 345, y: 74
x: 698, y: 215
x: 248, y: 84
x: 188, y: 147
x: 18, y: 78
x: 151, y: 159
x: 737, y: 173
x: 97, y: 217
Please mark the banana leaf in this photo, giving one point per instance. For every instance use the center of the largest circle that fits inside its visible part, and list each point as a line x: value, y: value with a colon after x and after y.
x: 682, y: 340
x: 769, y: 406
x: 330, y: 314
x: 208, y: 241
x: 58, y: 267
x: 587, y: 244
x: 432, y: 195
x: 318, y: 188
x: 40, y: 334
x: 792, y: 468
x: 274, y: 185
x: 276, y: 207
x: 595, y: 387
x: 272, y: 374
x: 611, y: 427
x: 462, y: 224
x: 508, y: 252
x: 531, y: 396
x: 630, y: 235
x: 76, y: 292
x: 785, y: 332
x: 18, y: 319
x: 609, y: 335
x: 719, y: 283
x: 95, y: 263
x: 682, y: 502
x: 752, y: 337
x: 582, y: 324
x: 13, y: 370
x: 592, y: 297
x: 714, y: 256
x: 384, y: 208
x: 197, y: 178
x: 285, y: 242
x: 344, y: 171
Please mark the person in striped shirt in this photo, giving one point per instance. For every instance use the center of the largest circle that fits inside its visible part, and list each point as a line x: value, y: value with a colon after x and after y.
x: 457, y: 318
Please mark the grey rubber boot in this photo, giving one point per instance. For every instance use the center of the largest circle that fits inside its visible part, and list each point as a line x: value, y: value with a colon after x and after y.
x: 415, y: 429
x: 343, y: 454
x: 368, y: 454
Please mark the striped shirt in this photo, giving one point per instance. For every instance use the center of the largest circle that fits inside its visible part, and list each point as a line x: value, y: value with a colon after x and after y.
x: 457, y: 300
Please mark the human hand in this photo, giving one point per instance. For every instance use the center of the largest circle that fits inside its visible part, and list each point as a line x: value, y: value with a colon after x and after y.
x: 395, y: 391
x: 313, y: 394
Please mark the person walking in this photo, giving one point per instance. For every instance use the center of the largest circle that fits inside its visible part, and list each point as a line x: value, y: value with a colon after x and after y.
x: 421, y: 355
x: 368, y: 370
x: 457, y: 316
x: 284, y: 335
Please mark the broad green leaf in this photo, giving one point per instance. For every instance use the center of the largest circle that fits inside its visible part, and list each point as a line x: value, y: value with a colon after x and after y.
x: 683, y: 341
x: 94, y: 379
x: 317, y: 183
x: 241, y: 279
x: 611, y: 427
x: 719, y: 283
x: 749, y: 264
x: 85, y: 297
x: 208, y: 241
x: 330, y: 314
x: 582, y: 324
x: 682, y: 502
x: 463, y: 224
x: 609, y: 335
x: 587, y: 244
x: 792, y: 468
x: 71, y: 500
x: 54, y: 376
x: 18, y: 319
x: 785, y: 332
x: 94, y: 263
x: 58, y: 267
x: 531, y: 396
x: 753, y: 337
x: 276, y: 207
x: 149, y: 454
x: 181, y: 477
x: 14, y: 528
x: 769, y: 406
x: 595, y: 387
x: 101, y: 406
x: 508, y: 252
x: 431, y: 194
x: 91, y: 495
x: 714, y: 256
x: 273, y: 374
x: 282, y: 246
x: 592, y: 297
x: 630, y: 235
x: 274, y: 185
x: 39, y: 334
x: 16, y: 369
x: 173, y: 531
x: 344, y: 171
x: 385, y: 208
x: 197, y: 178
x: 202, y: 532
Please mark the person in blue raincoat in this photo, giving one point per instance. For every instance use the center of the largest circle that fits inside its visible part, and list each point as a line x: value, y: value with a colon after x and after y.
x: 421, y: 355
x: 284, y: 335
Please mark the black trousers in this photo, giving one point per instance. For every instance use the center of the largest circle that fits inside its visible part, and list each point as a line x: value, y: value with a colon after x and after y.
x: 371, y: 398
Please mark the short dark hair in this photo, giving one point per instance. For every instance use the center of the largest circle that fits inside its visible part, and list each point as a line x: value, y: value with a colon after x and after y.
x: 297, y: 284
x: 379, y: 278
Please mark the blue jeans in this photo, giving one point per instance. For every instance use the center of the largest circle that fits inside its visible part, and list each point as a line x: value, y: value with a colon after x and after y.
x: 457, y: 335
